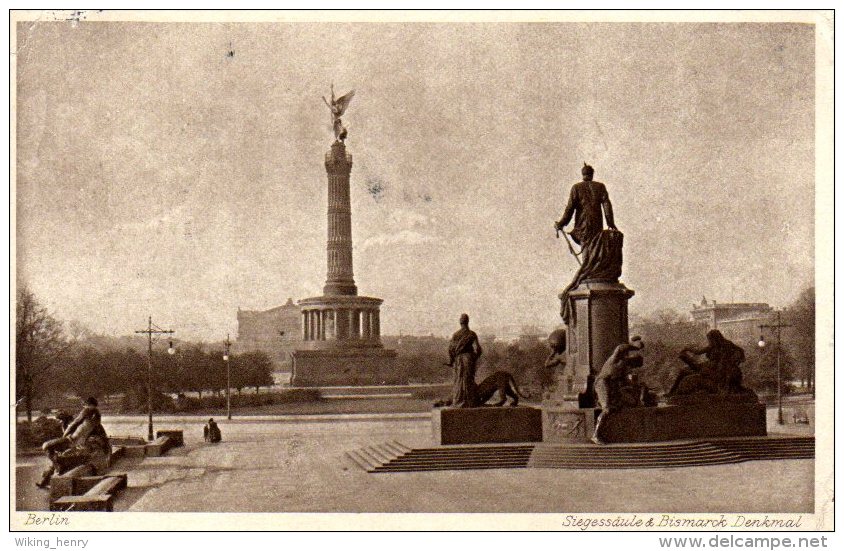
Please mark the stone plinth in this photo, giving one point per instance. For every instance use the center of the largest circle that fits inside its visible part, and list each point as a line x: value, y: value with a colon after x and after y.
x: 344, y: 366
x: 598, y: 324
x: 486, y: 425
x: 713, y: 420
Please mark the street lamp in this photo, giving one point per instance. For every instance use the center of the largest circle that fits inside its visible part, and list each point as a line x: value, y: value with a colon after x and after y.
x: 170, y: 350
x: 228, y: 379
x: 778, y: 326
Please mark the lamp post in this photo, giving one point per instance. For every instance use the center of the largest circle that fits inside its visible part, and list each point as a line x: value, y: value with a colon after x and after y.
x: 170, y: 350
x: 228, y: 379
x: 778, y: 326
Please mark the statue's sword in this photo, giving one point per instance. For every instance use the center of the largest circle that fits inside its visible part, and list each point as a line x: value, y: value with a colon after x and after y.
x: 571, y: 249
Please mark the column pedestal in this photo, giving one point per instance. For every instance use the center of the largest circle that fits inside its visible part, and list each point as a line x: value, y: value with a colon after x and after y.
x: 597, y: 326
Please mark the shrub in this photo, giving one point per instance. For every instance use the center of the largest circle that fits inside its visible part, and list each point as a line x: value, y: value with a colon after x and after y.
x: 33, y: 434
x: 287, y: 396
x: 134, y: 402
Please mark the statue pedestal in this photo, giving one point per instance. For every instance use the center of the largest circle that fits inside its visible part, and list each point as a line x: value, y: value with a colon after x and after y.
x: 486, y: 425
x: 567, y: 424
x: 598, y: 324
x: 347, y: 366
x: 718, y: 419
x: 712, y: 418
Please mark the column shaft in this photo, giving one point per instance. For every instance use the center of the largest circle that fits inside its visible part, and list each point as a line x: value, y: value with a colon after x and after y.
x: 376, y: 325
x: 354, y: 324
x: 365, y: 324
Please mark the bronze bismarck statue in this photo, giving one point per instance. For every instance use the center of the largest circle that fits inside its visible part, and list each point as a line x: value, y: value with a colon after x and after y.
x: 589, y: 203
x: 585, y: 202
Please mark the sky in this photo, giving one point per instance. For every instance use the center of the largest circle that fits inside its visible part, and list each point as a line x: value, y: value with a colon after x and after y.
x: 158, y: 175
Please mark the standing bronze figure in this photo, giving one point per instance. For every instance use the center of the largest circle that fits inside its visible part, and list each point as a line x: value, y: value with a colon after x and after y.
x: 589, y: 204
x: 464, y: 351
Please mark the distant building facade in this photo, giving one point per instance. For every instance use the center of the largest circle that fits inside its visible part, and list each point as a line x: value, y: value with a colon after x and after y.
x: 276, y: 331
x: 738, y: 321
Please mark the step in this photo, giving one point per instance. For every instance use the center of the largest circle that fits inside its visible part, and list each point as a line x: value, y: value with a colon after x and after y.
x: 412, y: 457
x: 400, y: 446
x: 652, y: 453
x: 453, y: 451
x: 388, y: 451
x: 636, y: 464
x: 517, y: 460
x: 398, y: 451
x: 360, y: 461
x: 378, y: 454
x: 450, y: 468
x: 396, y: 457
x: 697, y: 457
x: 766, y: 448
x: 369, y: 458
x: 454, y: 461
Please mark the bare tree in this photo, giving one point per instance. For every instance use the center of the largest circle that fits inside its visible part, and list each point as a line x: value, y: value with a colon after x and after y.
x: 39, y: 343
x: 801, y: 335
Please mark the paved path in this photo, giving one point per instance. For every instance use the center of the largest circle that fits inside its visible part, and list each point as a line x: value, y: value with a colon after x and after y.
x: 276, y: 465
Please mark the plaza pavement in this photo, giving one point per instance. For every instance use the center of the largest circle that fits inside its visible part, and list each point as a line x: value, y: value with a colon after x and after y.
x: 283, y: 465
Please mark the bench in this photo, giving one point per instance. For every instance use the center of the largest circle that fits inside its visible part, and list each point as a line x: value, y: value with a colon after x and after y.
x: 158, y: 447
x: 177, y: 438
x: 62, y: 485
x: 99, y: 493
x: 116, y: 453
x: 135, y: 451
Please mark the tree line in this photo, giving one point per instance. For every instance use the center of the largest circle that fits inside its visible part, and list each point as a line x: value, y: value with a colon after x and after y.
x: 53, y: 359
x: 667, y: 332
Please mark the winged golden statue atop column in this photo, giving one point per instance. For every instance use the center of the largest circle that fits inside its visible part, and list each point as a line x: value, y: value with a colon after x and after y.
x: 338, y: 106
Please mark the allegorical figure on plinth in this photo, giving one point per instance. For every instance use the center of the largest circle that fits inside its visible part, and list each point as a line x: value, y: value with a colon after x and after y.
x: 338, y: 106
x: 463, y: 353
x: 614, y: 386
x: 711, y: 369
x: 557, y: 361
x: 600, y: 254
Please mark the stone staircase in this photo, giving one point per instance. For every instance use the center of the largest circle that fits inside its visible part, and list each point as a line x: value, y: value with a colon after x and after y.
x: 750, y: 449
x: 627, y: 456
x: 444, y: 458
x: 396, y: 457
x: 371, y: 458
